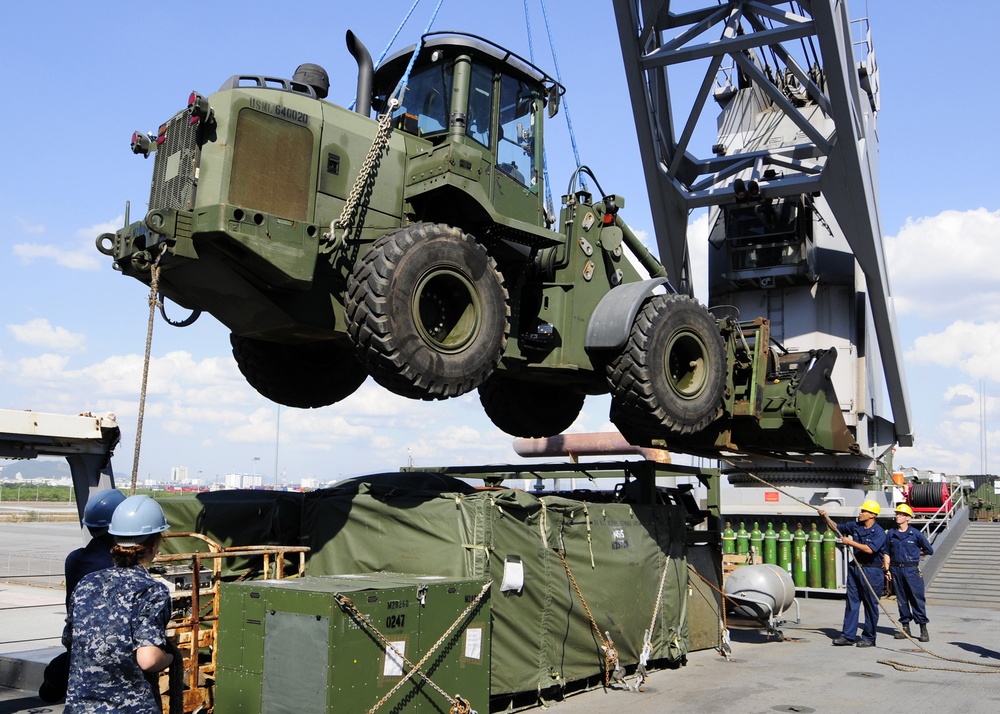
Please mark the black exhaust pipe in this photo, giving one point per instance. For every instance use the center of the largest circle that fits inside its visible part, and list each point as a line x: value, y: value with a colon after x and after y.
x: 366, y: 74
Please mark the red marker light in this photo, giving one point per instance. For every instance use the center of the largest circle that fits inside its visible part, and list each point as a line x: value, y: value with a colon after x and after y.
x: 140, y: 143
x: 200, y: 108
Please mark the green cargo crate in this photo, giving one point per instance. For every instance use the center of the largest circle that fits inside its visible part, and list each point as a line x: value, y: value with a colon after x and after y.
x: 299, y: 645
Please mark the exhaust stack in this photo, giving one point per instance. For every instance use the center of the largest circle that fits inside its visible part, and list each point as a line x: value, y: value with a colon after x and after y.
x: 366, y: 74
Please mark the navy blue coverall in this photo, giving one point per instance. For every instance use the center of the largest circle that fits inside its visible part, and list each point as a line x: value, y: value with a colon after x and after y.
x: 905, y: 548
x: 858, y: 591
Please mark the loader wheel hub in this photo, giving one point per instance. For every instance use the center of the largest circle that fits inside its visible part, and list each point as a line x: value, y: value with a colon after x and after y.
x: 687, y: 365
x: 446, y: 311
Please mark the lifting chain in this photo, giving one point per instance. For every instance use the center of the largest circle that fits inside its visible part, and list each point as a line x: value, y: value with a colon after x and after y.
x: 458, y: 704
x: 610, y: 652
x: 154, y: 289
x: 363, y: 184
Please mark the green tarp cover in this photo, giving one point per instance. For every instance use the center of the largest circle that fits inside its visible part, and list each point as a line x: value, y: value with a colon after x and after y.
x: 543, y: 638
x: 235, y: 518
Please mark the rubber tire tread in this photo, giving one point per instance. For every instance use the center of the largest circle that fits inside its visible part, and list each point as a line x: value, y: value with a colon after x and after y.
x: 380, y: 324
x: 529, y: 410
x: 643, y: 403
x: 305, y: 376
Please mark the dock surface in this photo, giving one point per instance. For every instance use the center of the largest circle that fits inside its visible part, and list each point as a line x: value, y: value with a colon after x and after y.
x: 803, y: 673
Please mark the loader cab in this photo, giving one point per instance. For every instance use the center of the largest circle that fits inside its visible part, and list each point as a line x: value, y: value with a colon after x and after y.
x: 467, y: 90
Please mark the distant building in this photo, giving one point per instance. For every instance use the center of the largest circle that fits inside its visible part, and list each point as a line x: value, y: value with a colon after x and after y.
x: 243, y: 481
x: 179, y: 474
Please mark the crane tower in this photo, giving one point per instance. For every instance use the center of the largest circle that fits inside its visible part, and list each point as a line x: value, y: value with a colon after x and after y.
x: 791, y: 186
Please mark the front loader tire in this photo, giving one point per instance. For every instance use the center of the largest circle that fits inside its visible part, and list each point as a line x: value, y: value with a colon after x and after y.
x: 670, y: 377
x: 305, y: 376
x: 529, y: 410
x: 428, y: 312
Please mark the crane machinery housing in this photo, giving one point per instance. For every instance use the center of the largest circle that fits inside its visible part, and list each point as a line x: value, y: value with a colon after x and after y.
x: 791, y: 189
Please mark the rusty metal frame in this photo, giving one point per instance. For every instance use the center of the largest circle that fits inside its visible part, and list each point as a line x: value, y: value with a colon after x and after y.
x: 193, y: 632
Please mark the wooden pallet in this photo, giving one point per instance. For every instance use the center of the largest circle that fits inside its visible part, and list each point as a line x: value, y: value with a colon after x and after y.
x: 731, y: 562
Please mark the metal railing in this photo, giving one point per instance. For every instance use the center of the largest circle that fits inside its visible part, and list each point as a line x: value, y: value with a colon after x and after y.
x: 30, y: 569
x: 939, y: 521
x: 194, y: 626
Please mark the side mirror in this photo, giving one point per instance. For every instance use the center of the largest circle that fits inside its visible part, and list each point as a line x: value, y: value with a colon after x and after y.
x: 553, y: 100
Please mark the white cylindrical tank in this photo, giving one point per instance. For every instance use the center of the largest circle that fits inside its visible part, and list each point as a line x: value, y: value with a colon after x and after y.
x: 758, y: 588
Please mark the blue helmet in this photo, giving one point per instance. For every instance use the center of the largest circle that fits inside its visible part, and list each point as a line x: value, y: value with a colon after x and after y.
x: 138, y: 516
x: 100, y: 507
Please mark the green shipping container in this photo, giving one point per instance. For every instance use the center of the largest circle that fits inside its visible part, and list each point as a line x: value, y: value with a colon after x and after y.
x: 320, y: 644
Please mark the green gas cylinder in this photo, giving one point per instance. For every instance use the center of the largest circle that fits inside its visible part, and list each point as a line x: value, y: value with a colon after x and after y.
x: 742, y: 540
x: 757, y: 543
x: 830, y: 560
x: 815, y: 548
x: 785, y: 548
x: 799, y: 563
x: 770, y: 545
x: 728, y: 539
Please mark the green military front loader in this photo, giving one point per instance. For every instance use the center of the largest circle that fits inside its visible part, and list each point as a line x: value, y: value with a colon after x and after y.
x: 417, y: 249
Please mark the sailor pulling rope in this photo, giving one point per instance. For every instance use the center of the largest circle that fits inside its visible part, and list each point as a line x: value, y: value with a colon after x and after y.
x: 989, y: 667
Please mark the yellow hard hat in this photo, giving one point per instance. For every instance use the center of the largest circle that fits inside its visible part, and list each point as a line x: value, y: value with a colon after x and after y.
x: 903, y: 508
x: 871, y: 506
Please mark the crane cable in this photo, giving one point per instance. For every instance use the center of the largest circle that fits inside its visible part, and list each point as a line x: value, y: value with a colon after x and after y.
x: 991, y: 668
x: 549, y: 205
x: 565, y: 102
x: 380, y: 145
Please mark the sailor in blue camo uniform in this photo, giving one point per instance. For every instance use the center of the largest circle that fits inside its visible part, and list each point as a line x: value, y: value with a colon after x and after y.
x: 94, y: 556
x: 116, y: 623
x: 906, y: 546
x: 868, y: 540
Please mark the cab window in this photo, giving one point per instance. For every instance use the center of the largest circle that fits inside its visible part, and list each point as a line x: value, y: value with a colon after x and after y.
x: 425, y: 102
x: 516, y: 146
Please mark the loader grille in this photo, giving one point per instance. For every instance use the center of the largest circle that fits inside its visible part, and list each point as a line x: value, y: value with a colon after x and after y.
x: 175, y: 165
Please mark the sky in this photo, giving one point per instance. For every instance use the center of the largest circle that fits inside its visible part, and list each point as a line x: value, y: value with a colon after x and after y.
x: 73, y: 331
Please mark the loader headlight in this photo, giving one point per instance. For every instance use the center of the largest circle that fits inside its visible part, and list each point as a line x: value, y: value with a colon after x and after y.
x: 141, y: 144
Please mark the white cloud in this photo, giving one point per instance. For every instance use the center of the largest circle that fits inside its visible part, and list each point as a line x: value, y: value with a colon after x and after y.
x: 82, y: 255
x: 81, y: 258
x: 36, y: 228
x: 44, y: 368
x: 952, y: 449
x: 41, y: 333
x: 944, y: 266
x: 963, y: 347
x: 90, y: 233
